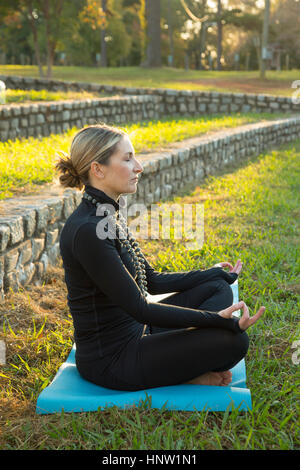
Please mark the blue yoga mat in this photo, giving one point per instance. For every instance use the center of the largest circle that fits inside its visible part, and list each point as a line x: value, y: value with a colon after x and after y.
x: 70, y: 392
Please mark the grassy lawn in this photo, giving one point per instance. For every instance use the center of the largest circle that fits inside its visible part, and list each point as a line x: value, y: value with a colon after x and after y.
x: 22, y: 96
x: 252, y: 213
x: 27, y: 164
x: 276, y: 83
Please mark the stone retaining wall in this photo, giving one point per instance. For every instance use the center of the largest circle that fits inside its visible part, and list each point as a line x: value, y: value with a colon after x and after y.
x: 26, y: 120
x: 30, y: 226
x: 147, y: 103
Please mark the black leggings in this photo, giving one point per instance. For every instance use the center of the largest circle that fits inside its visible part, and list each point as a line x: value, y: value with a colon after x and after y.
x: 170, y: 356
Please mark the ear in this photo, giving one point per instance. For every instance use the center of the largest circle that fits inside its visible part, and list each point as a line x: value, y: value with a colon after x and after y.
x: 97, y: 170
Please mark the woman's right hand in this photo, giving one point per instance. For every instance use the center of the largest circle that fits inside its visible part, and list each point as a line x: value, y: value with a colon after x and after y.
x: 245, y: 321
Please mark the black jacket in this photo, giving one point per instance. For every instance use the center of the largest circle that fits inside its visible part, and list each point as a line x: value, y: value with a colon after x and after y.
x: 104, y: 299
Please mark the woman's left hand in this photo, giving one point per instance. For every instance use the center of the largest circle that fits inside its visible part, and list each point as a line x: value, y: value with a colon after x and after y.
x: 236, y: 269
x: 245, y: 321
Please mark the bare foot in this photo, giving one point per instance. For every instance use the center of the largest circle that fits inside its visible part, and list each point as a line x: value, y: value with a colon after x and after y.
x: 213, y: 378
x: 227, y: 377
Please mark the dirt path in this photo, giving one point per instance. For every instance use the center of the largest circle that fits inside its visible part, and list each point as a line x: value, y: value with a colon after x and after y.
x: 249, y: 85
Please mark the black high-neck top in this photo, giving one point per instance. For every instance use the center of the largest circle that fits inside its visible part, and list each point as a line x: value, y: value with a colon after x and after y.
x: 104, y: 299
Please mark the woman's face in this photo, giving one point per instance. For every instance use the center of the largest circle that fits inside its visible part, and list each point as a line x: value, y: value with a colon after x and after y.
x: 121, y: 175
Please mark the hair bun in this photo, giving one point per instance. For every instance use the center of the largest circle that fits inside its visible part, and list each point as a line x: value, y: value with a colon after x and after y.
x: 69, y: 176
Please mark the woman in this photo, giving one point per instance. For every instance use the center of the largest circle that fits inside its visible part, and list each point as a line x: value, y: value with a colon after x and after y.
x: 122, y: 340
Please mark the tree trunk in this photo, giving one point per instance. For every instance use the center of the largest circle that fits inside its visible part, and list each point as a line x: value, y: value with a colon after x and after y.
x: 48, y: 36
x: 50, y: 59
x: 265, y: 40
x: 51, y: 19
x: 35, y: 39
x: 153, y: 56
x: 202, y: 35
x: 219, y: 46
x: 258, y: 53
x: 171, y: 42
x: 103, y: 61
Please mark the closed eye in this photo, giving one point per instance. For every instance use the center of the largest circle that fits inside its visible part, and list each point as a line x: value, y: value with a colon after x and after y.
x: 130, y: 155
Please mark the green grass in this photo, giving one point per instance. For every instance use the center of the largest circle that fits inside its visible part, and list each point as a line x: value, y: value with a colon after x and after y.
x: 27, y: 164
x: 252, y: 213
x: 22, y: 96
x: 276, y: 83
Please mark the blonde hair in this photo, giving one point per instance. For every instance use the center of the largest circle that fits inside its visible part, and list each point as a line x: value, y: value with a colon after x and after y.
x: 93, y: 143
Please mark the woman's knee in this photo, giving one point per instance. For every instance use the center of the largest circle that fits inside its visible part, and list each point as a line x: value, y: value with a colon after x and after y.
x: 241, y: 344
x: 227, y: 292
x: 235, y: 344
x: 234, y: 349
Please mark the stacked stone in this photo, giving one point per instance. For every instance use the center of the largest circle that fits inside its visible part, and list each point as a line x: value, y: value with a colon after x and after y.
x: 29, y: 237
x: 17, y: 121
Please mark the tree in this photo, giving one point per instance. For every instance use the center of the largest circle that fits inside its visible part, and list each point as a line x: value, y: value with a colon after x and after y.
x: 120, y: 41
x: 284, y: 30
x: 170, y: 28
x: 153, y: 51
x: 265, y: 39
x: 27, y: 9
x: 52, y: 11
x: 219, y: 46
x: 14, y: 33
x: 45, y: 14
x: 200, y: 24
x: 241, y: 21
x: 134, y: 21
x: 33, y: 19
x: 96, y: 16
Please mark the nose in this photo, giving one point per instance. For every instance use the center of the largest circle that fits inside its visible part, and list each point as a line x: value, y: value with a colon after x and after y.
x: 138, y: 167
